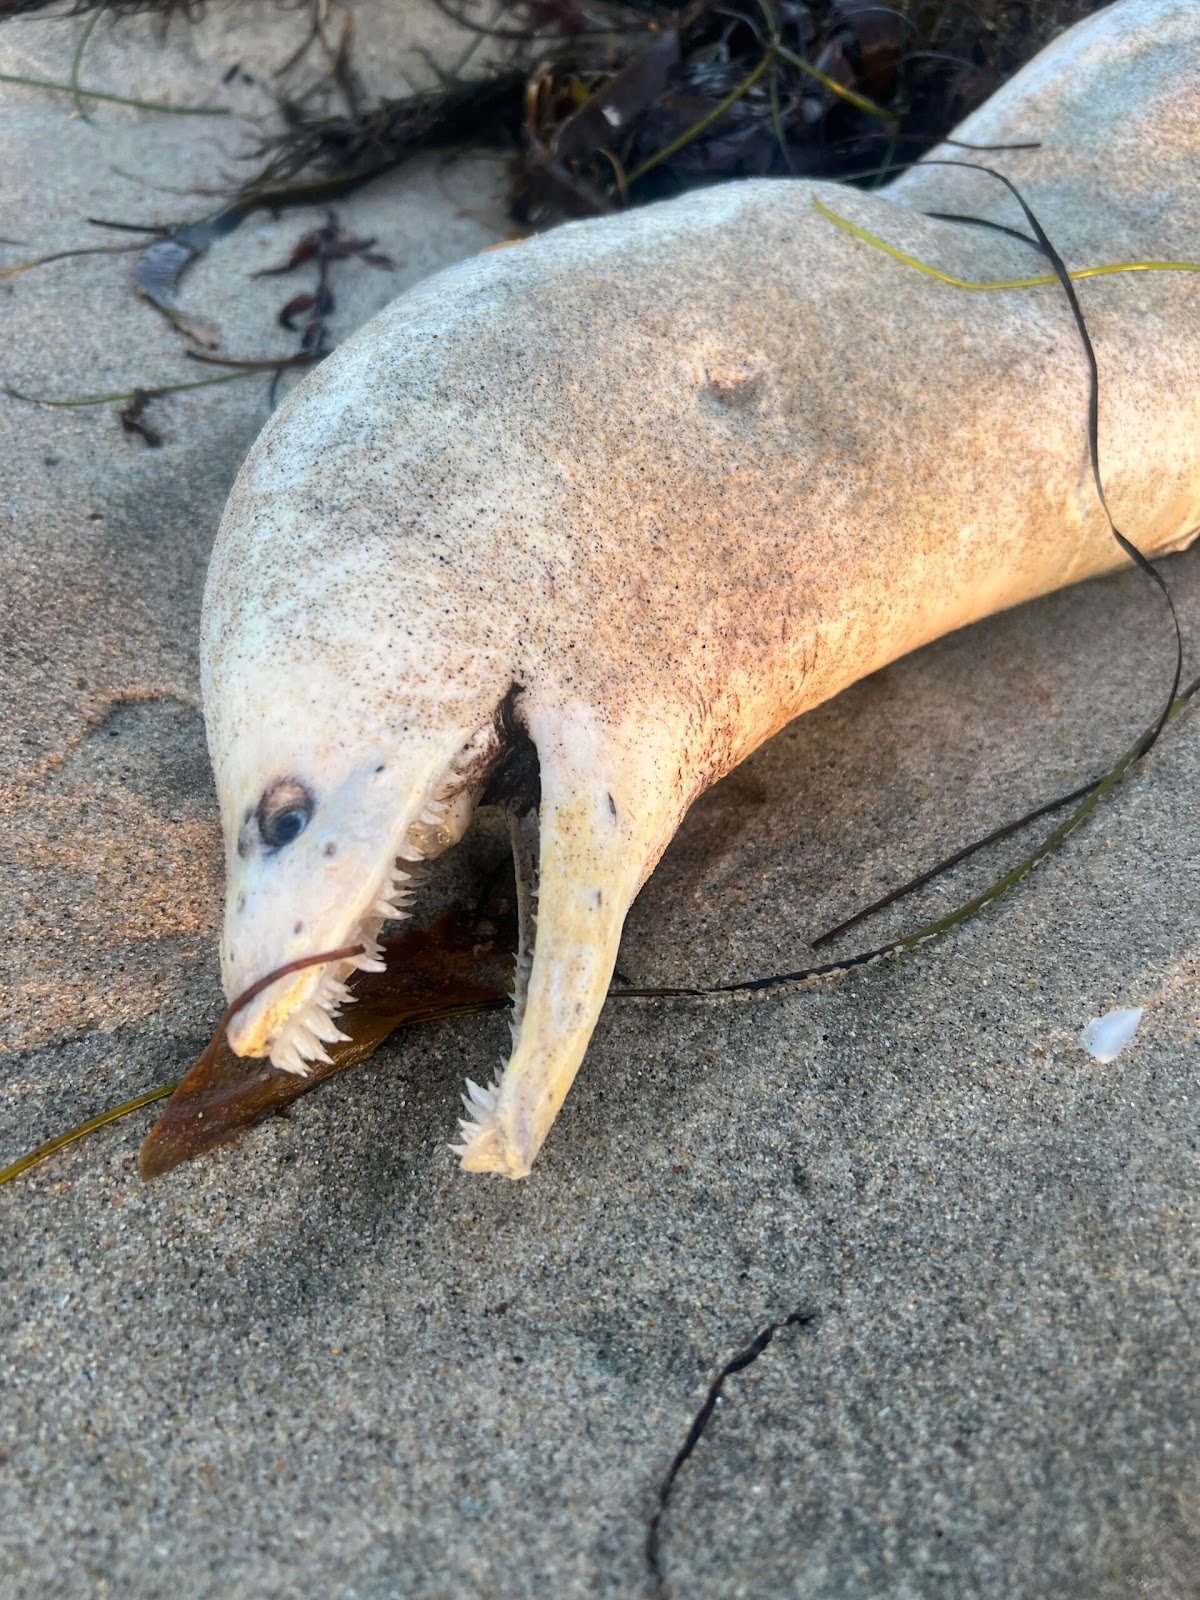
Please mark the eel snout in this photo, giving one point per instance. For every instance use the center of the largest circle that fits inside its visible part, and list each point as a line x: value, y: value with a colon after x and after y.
x: 326, y: 873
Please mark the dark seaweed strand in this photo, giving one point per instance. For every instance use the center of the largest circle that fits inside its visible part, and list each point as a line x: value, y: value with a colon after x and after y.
x: 191, y: 10
x: 956, y: 858
x: 738, y: 1363
x: 1093, y: 793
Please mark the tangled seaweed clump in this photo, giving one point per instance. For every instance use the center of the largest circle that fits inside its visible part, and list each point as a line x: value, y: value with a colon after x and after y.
x: 617, y: 102
x: 607, y: 103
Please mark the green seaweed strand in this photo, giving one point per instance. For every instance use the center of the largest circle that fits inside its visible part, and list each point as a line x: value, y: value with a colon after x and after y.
x: 75, y: 90
x: 1107, y: 270
x: 33, y: 1158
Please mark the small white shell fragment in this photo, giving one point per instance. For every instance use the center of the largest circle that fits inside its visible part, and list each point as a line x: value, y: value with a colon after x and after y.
x: 1105, y: 1037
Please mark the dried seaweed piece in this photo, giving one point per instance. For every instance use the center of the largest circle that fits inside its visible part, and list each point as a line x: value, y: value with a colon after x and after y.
x: 298, y: 304
x: 802, y: 1318
x: 323, y: 246
x: 125, y: 396
x: 840, y: 87
x: 43, y: 1152
x: 76, y: 90
x: 456, y: 967
x: 133, y: 418
x: 156, y: 275
x: 133, y: 400
x: 246, y: 364
x: 620, y: 100
x: 469, y: 963
x: 189, y: 10
x: 353, y: 149
x: 328, y: 243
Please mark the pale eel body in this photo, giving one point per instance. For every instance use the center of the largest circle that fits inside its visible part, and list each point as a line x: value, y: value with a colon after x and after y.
x: 632, y: 496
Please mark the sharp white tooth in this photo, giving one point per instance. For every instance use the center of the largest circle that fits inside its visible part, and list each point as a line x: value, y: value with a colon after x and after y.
x: 301, y: 1035
x: 371, y: 964
x: 479, y: 1097
x: 409, y: 852
x: 401, y: 877
x: 309, y: 1048
x: 329, y: 1032
x: 287, y: 1058
x: 325, y: 1028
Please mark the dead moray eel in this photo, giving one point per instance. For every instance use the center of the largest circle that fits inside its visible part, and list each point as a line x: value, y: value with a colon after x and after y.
x: 574, y: 527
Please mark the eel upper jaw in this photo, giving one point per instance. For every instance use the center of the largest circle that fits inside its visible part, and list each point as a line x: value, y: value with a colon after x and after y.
x: 292, y: 1021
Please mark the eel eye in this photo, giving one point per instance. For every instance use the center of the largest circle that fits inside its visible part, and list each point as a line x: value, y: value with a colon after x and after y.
x: 283, y: 813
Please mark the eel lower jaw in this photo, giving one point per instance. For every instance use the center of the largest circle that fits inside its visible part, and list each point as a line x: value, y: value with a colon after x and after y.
x: 576, y: 878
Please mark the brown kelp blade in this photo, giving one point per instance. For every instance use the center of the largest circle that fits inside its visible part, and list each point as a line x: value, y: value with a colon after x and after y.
x: 456, y: 966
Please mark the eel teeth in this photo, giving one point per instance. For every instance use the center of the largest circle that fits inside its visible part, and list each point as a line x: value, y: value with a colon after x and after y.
x: 322, y: 1026
x: 371, y: 959
x: 395, y: 894
x: 285, y: 1054
x: 480, y: 1103
x: 304, y: 1035
x: 311, y: 1048
x: 520, y: 988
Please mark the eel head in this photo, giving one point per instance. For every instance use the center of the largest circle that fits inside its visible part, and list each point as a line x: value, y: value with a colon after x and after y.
x: 340, y: 771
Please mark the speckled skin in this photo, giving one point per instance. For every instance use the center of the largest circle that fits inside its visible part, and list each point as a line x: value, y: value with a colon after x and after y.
x: 675, y: 477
